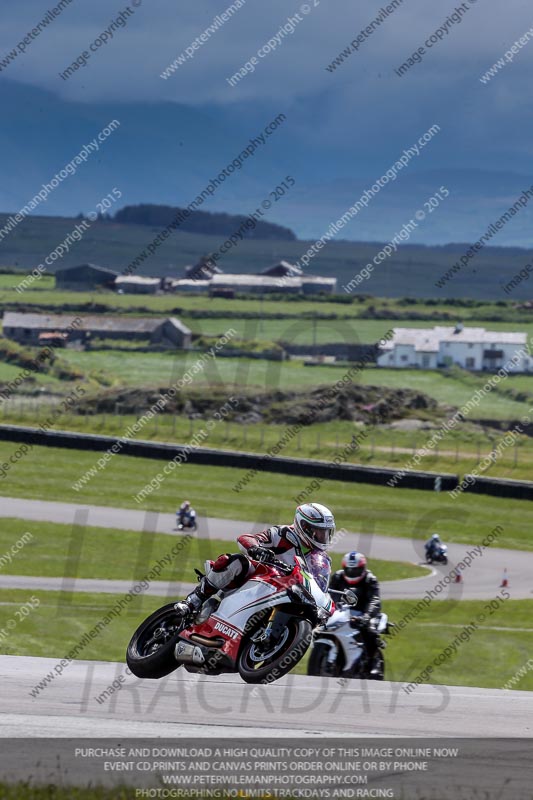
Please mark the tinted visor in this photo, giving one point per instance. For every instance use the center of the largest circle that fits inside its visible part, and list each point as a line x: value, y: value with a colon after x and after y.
x: 319, y: 535
x: 354, y: 572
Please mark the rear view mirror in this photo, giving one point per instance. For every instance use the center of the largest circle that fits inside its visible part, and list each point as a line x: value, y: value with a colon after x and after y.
x: 350, y: 597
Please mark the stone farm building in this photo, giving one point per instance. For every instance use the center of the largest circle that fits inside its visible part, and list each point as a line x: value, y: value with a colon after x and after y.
x: 474, y: 349
x: 38, y: 329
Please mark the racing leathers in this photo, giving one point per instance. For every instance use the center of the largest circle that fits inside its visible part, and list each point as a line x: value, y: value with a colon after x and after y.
x: 368, y: 602
x: 232, y: 570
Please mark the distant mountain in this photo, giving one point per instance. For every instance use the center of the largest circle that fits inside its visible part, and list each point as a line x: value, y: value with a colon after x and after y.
x: 166, y: 153
x: 203, y: 222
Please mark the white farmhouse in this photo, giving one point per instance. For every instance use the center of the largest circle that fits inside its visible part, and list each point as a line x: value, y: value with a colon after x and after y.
x: 473, y: 349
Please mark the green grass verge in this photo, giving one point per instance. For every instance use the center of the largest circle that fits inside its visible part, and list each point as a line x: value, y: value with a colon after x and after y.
x: 459, y: 452
x: 75, y: 551
x: 49, y: 791
x: 482, y: 312
x: 490, y: 658
x: 49, y: 473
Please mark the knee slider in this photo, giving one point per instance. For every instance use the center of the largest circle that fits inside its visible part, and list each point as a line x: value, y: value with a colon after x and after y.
x: 221, y: 562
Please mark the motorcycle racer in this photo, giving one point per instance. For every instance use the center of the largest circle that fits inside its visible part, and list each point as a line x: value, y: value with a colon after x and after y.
x: 185, y: 513
x: 310, y: 534
x: 365, y: 596
x: 432, y: 545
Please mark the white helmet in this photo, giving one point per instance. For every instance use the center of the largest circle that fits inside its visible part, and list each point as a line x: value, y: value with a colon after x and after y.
x: 314, y: 525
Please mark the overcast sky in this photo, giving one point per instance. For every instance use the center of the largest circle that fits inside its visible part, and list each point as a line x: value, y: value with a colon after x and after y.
x: 362, y: 111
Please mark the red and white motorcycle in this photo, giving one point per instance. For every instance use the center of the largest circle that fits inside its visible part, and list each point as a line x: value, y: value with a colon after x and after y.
x: 260, y: 630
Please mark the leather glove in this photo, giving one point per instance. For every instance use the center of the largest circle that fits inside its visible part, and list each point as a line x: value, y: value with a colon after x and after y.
x: 261, y: 554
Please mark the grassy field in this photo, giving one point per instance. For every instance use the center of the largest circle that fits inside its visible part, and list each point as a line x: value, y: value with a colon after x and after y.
x: 489, y: 659
x: 478, y: 312
x: 459, y: 452
x: 48, y: 474
x: 162, y: 369
x: 56, y: 791
x: 83, y: 552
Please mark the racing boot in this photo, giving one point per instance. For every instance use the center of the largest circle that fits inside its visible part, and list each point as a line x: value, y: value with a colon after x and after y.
x: 376, y: 662
x: 204, y: 598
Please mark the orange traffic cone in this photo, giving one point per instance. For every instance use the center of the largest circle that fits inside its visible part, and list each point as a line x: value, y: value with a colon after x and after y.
x: 458, y: 576
x: 505, y: 579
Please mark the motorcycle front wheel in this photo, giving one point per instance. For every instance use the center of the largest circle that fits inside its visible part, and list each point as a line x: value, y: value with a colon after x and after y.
x: 318, y: 662
x: 150, y: 653
x: 265, y: 662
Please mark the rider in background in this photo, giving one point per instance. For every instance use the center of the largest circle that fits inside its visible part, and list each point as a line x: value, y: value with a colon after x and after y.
x: 309, y: 535
x: 184, y: 513
x: 432, y: 546
x: 356, y: 576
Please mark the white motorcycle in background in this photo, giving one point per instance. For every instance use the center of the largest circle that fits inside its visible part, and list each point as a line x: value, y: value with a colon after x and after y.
x: 338, y: 646
x: 261, y: 630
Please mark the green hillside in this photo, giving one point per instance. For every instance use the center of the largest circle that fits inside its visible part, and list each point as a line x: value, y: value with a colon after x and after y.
x: 412, y: 271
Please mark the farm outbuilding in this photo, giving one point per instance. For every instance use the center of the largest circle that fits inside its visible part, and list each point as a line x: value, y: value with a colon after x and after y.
x: 85, y: 277
x: 282, y: 269
x: 136, y: 284
x: 256, y: 284
x: 30, y: 329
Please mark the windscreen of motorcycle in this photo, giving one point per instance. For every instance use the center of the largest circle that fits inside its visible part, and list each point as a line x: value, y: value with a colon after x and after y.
x: 319, y: 566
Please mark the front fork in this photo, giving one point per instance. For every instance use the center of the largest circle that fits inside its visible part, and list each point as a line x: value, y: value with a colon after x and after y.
x: 266, y: 634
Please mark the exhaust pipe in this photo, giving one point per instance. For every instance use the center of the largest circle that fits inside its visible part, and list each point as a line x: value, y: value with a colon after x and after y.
x: 187, y: 653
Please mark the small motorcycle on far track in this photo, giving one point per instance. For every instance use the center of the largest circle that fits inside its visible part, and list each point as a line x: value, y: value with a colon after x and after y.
x: 186, y: 521
x: 439, y: 555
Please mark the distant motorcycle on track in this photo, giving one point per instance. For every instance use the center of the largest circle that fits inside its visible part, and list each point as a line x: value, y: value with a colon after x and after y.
x: 186, y: 521
x: 439, y: 555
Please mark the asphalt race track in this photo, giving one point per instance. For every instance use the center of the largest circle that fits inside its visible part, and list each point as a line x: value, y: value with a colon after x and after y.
x: 223, y: 706
x: 186, y: 705
x: 480, y: 581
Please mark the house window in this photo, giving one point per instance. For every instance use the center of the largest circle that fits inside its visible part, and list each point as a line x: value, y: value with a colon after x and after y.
x: 470, y: 363
x: 470, y: 346
x: 403, y: 358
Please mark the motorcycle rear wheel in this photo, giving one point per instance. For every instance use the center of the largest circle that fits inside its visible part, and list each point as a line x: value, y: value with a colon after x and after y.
x: 150, y: 653
x: 254, y: 669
